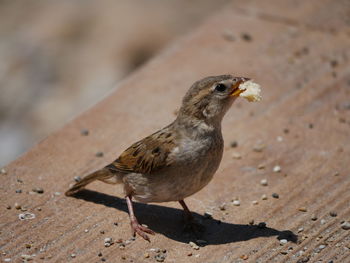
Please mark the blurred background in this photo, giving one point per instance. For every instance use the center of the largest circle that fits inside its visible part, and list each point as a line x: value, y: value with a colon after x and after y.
x: 57, y: 58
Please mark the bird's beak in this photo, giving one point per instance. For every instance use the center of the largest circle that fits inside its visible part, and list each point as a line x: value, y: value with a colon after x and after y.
x: 235, y: 88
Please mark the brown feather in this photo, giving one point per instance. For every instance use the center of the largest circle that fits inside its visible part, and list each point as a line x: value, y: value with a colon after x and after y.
x: 148, y: 155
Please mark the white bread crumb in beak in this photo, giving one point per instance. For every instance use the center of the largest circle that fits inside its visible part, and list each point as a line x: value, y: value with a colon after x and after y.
x: 251, y: 91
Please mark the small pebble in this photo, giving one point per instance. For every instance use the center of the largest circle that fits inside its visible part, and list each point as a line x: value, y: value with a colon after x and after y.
x: 333, y: 214
x: 275, y: 195
x: 102, y: 232
x: 236, y: 155
x: 314, y: 218
x: 264, y: 197
x: 244, y: 257
x: 193, y: 245
x: 276, y: 169
x: 261, y: 166
x: 283, y: 242
x: 84, y: 132
x: 26, y: 216
x: 3, y: 171
x: 146, y: 255
x: 259, y: 147
x: 28, y: 246
x: 234, y: 144
x: 300, y: 229
x: 323, y: 221
x: 228, y: 35
x: 222, y: 207
x: 189, y: 254
x: 99, y: 254
x: 236, y: 203
x: 303, y: 259
x: 17, y: 206
x: 108, y: 241
x: 8, y: 207
x: 27, y: 257
x: 279, y: 139
x: 262, y: 225
x: 255, y: 202
x: 246, y: 37
x: 103, y: 259
x: 201, y: 242
x: 160, y: 257
x: 99, y: 154
x: 38, y: 190
x: 208, y: 215
x: 7, y: 260
x: 345, y: 225
x: 86, y: 230
x: 264, y: 182
x: 19, y: 191
x: 302, y: 209
x: 73, y: 255
x: 320, y: 248
x: 38, y: 209
x: 77, y: 178
x: 251, y: 222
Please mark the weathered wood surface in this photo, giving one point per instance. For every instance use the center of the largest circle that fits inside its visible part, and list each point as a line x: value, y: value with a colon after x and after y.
x: 299, y: 52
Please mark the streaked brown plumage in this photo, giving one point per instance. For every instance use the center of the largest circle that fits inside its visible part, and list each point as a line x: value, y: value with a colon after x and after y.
x: 178, y: 160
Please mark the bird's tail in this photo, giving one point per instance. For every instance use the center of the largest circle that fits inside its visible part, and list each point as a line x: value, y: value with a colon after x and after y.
x: 104, y: 175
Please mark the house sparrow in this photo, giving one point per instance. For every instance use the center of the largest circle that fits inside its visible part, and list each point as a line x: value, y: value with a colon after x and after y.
x: 178, y: 160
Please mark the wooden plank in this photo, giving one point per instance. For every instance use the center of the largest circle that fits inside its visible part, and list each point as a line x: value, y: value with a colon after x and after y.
x: 303, y: 121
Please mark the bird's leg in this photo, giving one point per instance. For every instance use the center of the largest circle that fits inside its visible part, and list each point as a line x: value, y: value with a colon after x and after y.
x: 135, y: 226
x: 187, y: 213
x: 190, y: 222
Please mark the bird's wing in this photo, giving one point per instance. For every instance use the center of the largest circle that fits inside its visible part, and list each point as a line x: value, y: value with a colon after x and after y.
x: 146, y: 156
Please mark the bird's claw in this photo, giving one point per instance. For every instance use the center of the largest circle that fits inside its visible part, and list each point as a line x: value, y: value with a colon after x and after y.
x: 141, y: 230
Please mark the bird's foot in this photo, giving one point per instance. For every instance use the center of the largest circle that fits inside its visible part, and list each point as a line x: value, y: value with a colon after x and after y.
x: 140, y: 230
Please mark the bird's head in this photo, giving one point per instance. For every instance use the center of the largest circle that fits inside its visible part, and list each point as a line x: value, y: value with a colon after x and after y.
x: 209, y: 99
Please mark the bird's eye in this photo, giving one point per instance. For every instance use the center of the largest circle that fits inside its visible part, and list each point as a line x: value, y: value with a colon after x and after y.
x: 220, y: 87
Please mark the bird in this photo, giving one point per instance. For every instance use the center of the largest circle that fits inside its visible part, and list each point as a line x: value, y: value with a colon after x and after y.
x: 178, y: 160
